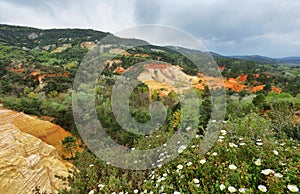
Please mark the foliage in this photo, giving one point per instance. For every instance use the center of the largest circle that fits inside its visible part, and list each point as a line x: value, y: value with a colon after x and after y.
x: 259, y: 133
x: 240, y: 158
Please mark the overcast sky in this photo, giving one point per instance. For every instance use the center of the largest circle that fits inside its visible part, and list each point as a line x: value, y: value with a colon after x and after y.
x: 229, y: 27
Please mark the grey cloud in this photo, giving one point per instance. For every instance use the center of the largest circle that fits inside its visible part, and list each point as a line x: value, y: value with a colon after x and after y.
x: 268, y: 27
x: 147, y: 11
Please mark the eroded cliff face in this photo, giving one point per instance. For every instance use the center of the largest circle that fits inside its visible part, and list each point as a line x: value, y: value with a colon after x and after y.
x: 48, y: 132
x: 167, y: 77
x: 27, y: 161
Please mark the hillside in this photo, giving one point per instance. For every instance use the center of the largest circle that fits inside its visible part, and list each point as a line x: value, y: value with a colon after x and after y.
x: 249, y: 138
x: 292, y: 61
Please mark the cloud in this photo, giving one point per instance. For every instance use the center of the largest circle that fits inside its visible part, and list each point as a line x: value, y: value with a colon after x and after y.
x: 267, y: 27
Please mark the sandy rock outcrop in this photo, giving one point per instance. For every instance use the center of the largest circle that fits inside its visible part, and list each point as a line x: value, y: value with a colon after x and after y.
x: 27, y: 162
x: 48, y: 132
x: 168, y: 77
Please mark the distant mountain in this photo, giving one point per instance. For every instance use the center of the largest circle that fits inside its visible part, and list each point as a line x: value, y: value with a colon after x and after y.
x: 289, y: 60
x: 293, y: 61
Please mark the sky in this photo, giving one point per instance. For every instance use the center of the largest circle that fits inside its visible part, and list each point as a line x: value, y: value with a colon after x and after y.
x: 228, y: 27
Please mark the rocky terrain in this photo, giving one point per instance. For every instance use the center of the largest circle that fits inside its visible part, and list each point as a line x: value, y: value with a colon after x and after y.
x: 28, y: 157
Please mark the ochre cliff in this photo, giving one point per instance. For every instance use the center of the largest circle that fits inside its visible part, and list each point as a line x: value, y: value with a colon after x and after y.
x: 48, y: 132
x: 27, y: 161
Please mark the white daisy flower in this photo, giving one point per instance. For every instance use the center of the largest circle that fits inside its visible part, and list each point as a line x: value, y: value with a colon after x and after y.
x: 181, y: 149
x: 232, y: 167
x: 275, y: 152
x: 231, y: 189
x: 259, y: 143
x: 196, y: 181
x: 262, y: 188
x: 91, y: 192
x: 267, y: 171
x: 179, y: 166
x: 258, y: 162
x: 233, y: 145
x: 189, y: 163
x: 222, y: 187
x: 293, y: 188
x: 278, y: 175
x: 223, y: 132
x: 202, y: 161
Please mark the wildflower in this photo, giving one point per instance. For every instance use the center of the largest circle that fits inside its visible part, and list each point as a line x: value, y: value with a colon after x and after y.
x: 202, y: 161
x: 241, y: 139
x: 275, y: 152
x: 282, y: 164
x: 233, y: 145
x: 176, y: 192
x: 179, y: 166
x: 91, y: 165
x: 242, y: 190
x: 231, y: 189
x: 282, y: 144
x: 267, y: 172
x: 262, y: 188
x: 220, y: 140
x: 223, y: 132
x: 278, y: 175
x: 293, y: 188
x: 181, y: 149
x: 214, y: 154
x: 258, y: 162
x: 197, y: 136
x: 259, y: 143
x: 189, y: 163
x: 193, y: 146
x: 196, y: 181
x: 132, y: 149
x: 100, y: 186
x: 91, y: 192
x: 221, y: 137
x: 242, y: 143
x: 222, y: 187
x: 232, y: 167
x: 165, y: 175
x: 135, y: 191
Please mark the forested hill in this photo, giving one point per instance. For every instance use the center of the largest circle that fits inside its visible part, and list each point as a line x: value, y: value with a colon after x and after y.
x: 53, y: 55
x: 34, y: 38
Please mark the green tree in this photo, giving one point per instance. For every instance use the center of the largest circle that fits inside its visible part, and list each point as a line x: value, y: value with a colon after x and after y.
x: 260, y: 102
x: 69, y: 143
